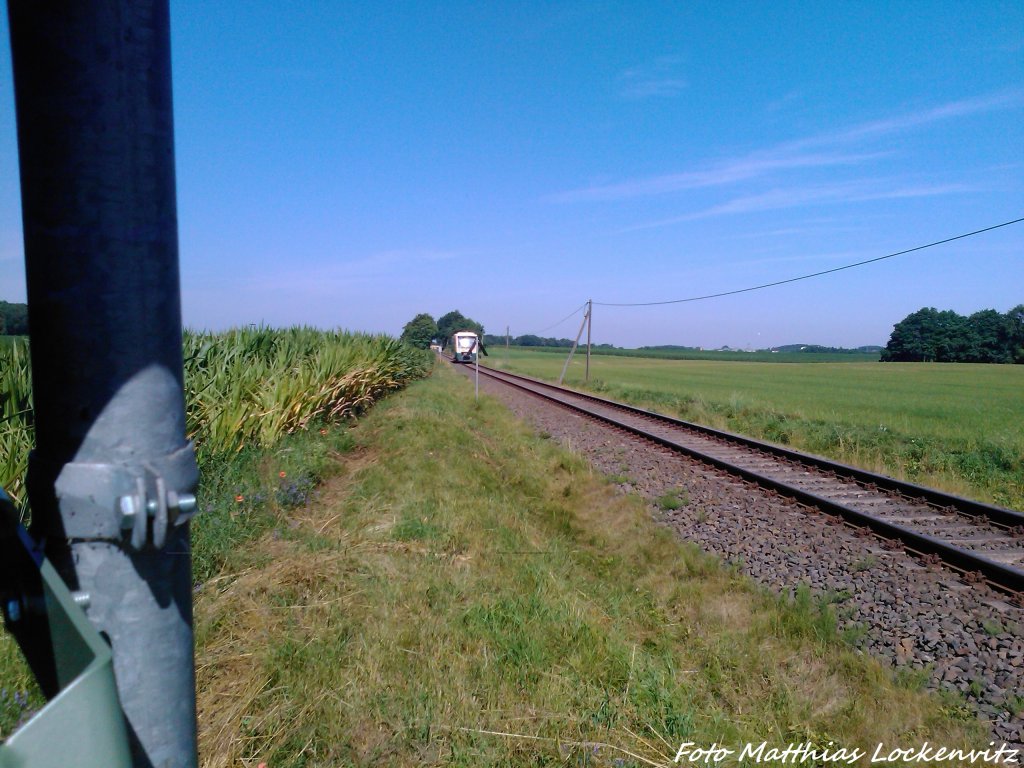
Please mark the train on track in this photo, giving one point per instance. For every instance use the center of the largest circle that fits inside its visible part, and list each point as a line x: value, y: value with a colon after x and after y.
x: 466, y: 345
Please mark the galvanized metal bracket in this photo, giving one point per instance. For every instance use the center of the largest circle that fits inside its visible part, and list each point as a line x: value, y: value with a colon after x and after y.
x: 82, y: 723
x: 120, y: 501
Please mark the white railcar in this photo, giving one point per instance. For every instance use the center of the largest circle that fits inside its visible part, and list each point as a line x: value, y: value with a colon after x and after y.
x: 465, y: 347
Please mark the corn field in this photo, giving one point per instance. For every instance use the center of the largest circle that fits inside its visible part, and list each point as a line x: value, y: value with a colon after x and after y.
x: 15, y: 417
x: 242, y: 387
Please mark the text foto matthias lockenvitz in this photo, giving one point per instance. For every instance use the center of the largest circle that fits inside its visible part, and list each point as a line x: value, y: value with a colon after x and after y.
x: 883, y: 754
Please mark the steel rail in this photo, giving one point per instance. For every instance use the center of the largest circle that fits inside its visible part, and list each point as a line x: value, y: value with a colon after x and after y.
x: 1003, y: 576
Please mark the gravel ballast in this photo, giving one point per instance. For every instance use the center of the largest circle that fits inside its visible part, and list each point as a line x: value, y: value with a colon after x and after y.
x: 966, y: 638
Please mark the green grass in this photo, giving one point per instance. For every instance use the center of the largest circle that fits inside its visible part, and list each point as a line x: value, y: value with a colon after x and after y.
x: 438, y: 586
x: 953, y: 426
x: 267, y: 409
x: 465, y: 593
x: 673, y: 499
x: 706, y: 354
x: 243, y: 496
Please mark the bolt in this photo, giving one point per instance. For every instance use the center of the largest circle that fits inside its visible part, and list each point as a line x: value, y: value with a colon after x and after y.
x: 13, y: 611
x: 127, y: 504
x: 186, y: 503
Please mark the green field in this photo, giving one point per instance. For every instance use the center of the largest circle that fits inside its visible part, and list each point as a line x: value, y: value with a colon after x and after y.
x: 952, y: 426
x: 760, y: 356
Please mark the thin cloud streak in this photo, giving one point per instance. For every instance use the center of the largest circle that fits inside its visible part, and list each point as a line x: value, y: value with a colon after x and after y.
x: 954, y: 109
x: 809, y: 152
x: 664, y: 87
x: 742, y: 169
x: 780, y: 198
x: 657, y: 79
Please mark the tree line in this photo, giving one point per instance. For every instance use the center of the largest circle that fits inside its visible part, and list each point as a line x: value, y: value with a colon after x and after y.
x: 423, y: 329
x: 930, y: 335
x: 13, y: 319
x: 530, y: 340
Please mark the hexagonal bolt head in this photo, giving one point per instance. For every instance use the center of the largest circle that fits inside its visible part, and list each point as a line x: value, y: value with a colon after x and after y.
x: 127, y: 508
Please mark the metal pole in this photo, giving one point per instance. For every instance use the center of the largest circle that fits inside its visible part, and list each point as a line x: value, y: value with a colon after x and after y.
x: 507, y: 359
x: 590, y: 310
x: 476, y: 359
x: 572, y: 351
x: 110, y: 481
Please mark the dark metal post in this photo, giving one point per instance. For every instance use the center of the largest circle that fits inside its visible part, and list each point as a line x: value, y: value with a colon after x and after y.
x: 112, y: 476
x: 590, y: 311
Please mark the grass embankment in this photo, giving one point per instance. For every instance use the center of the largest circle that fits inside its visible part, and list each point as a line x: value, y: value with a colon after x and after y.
x: 256, y: 401
x: 955, y: 427
x: 466, y: 593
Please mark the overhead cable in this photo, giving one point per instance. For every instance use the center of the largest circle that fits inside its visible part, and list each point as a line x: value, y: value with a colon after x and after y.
x: 803, y: 277
x: 548, y: 328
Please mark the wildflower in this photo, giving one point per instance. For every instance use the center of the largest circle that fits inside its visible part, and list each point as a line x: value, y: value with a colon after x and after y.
x: 239, y: 498
x: 282, y: 474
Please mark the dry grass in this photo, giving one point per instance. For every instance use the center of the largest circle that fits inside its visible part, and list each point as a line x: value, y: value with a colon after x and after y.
x: 466, y: 594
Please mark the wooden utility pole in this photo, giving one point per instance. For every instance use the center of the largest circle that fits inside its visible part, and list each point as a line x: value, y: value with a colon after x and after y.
x: 590, y: 312
x: 575, y: 344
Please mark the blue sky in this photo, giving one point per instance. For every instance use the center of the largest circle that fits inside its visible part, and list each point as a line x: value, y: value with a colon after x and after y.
x: 352, y: 164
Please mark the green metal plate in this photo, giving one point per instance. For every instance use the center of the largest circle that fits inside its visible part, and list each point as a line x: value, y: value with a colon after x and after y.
x: 82, y: 725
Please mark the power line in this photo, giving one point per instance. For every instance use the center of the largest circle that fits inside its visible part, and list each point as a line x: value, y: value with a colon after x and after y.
x: 575, y: 311
x: 804, y: 277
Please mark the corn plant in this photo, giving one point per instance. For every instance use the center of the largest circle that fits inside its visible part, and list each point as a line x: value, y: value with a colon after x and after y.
x: 250, y: 386
x: 243, y: 386
x: 16, y: 424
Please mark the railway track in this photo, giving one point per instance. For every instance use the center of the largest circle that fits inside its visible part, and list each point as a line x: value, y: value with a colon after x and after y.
x: 984, y: 542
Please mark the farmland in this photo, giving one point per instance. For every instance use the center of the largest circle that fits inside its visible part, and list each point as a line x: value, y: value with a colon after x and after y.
x: 732, y: 355
x: 955, y: 427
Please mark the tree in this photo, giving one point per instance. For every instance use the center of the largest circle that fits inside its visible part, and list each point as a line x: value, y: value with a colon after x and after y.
x: 989, y: 338
x: 947, y: 337
x: 455, y: 321
x: 951, y: 338
x: 420, y: 331
x: 1015, y: 333
x: 913, y: 338
x: 13, y: 318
